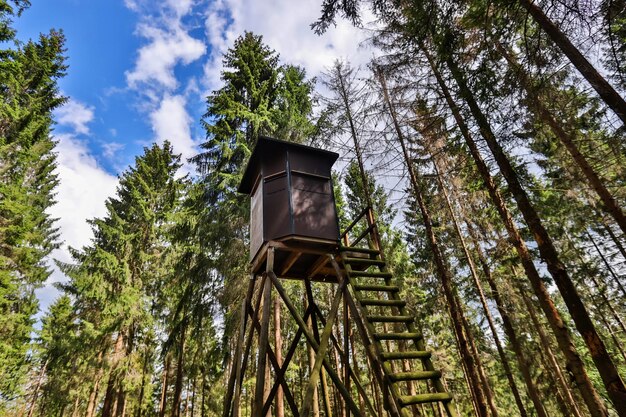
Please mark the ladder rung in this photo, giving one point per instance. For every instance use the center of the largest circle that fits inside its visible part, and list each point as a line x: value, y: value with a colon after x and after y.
x: 390, y: 319
x: 384, y: 303
x: 367, y: 274
x: 413, y: 354
x: 364, y: 261
x: 414, y: 376
x: 358, y: 250
x: 424, y: 398
x: 397, y: 336
x: 372, y: 287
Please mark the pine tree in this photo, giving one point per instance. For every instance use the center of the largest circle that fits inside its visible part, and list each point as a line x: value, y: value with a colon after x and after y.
x: 259, y: 97
x: 126, y: 273
x: 28, y: 81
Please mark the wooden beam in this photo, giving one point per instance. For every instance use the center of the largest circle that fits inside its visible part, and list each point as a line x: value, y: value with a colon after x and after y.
x: 252, y: 312
x: 311, y: 340
x: 289, y: 262
x: 263, y: 339
x: 370, y: 348
x: 280, y: 374
x: 319, y: 264
x: 279, y: 378
x: 259, y: 258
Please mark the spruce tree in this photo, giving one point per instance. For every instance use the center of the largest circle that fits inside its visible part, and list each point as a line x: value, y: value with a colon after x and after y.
x: 259, y: 97
x: 125, y: 275
x: 29, y: 93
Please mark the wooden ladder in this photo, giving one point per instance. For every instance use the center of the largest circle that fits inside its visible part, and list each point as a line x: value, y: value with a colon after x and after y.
x: 409, y: 377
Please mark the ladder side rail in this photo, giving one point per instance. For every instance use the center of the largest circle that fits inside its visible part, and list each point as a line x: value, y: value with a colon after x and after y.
x: 354, y: 222
x: 386, y: 383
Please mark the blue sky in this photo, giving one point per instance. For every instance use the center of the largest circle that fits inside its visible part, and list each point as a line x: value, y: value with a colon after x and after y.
x: 139, y: 72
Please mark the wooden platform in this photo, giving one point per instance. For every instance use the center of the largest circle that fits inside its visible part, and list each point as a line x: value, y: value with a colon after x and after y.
x: 296, y: 257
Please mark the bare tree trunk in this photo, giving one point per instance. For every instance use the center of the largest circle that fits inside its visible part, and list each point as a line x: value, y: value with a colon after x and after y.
x: 31, y: 409
x: 316, y: 403
x: 456, y: 314
x: 110, y: 397
x: 164, y: 382
x: 547, y: 349
x: 75, y: 408
x: 143, y: 383
x: 202, y: 414
x: 565, y: 341
x: 507, y: 324
x: 615, y: 239
x: 535, y: 101
x: 193, y: 395
x: 607, y: 265
x: 604, y: 363
x: 505, y: 361
x: 180, y: 363
x: 93, y: 396
x: 602, y: 87
x: 607, y: 369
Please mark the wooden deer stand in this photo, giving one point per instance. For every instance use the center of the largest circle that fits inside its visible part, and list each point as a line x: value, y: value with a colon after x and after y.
x: 295, y: 238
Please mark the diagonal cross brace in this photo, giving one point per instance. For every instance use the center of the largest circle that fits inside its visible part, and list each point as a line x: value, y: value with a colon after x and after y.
x: 311, y: 340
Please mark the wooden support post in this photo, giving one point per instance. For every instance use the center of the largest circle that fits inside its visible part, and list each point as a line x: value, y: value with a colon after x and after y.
x: 259, y: 392
x: 346, y: 343
x: 311, y: 340
x: 315, y: 313
x: 323, y: 348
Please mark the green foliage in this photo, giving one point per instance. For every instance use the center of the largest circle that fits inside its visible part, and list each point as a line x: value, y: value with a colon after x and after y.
x: 122, y: 283
x: 259, y: 97
x: 28, y: 81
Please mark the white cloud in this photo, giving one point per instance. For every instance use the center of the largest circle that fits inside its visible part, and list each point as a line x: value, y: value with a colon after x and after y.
x: 166, y: 48
x: 171, y: 122
x: 83, y: 188
x: 76, y: 115
x: 180, y: 7
x: 285, y: 27
x: 109, y: 149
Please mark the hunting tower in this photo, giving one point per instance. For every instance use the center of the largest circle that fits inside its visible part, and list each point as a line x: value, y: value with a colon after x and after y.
x: 340, y: 295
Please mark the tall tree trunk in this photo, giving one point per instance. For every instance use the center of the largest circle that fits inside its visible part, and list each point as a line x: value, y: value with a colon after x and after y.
x: 604, y: 363
x: 535, y: 101
x: 483, y: 301
x: 446, y: 280
x: 615, y: 239
x: 31, y: 409
x: 144, y: 371
x: 93, y: 395
x: 602, y: 87
x: 202, y: 414
x: 565, y: 341
x: 180, y: 364
x: 311, y: 361
x: 75, y: 408
x: 486, y: 385
x: 110, y: 397
x: 164, y: 383
x: 507, y: 324
x: 607, y: 264
x: 547, y: 349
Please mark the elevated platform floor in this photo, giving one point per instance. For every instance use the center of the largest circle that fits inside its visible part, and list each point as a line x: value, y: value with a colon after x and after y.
x: 298, y: 258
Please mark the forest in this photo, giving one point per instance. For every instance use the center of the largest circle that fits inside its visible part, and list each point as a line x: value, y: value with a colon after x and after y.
x: 489, y: 139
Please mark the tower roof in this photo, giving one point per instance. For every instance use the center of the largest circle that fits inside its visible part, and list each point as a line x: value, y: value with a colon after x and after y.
x: 267, y: 147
